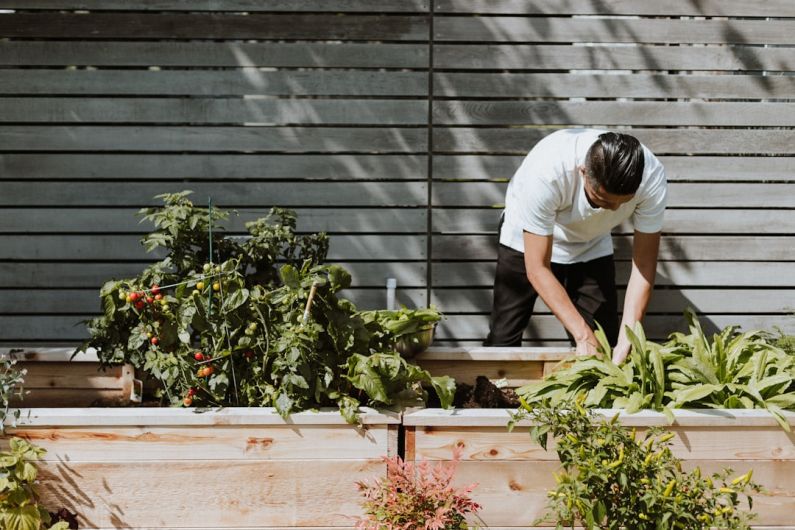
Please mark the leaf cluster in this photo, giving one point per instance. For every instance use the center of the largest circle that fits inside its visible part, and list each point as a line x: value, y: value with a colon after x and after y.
x: 731, y: 370
x: 19, y: 508
x: 615, y: 479
x: 11, y: 381
x: 416, y: 496
x: 265, y: 327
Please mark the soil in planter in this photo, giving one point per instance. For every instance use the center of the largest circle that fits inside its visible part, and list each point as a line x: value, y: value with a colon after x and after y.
x: 484, y: 395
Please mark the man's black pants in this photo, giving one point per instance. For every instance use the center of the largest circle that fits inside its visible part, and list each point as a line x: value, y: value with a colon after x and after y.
x: 591, y: 285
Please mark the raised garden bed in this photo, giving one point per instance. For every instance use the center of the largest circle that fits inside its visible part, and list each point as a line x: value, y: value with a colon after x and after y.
x: 55, y: 378
x: 152, y: 468
x: 514, y: 474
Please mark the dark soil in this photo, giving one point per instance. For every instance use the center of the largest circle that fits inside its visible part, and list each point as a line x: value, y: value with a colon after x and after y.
x: 484, y: 395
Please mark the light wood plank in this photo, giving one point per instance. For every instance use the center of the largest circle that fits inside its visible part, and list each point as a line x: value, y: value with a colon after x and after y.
x: 663, y: 300
x: 93, y: 275
x: 197, y: 139
x: 73, y: 397
x: 677, y: 168
x: 319, y: 493
x: 217, y: 442
x: 485, y: 353
x: 194, y: 111
x: 227, y: 5
x: 588, y: 83
x: 660, y: 141
x: 637, y: 113
x: 512, y: 373
x: 135, y: 26
x: 671, y: 273
x: 213, y: 167
x: 84, y: 301
x: 551, y: 57
x: 128, y: 248
x: 46, y: 375
x: 753, y: 8
x: 225, y: 195
x: 630, y: 30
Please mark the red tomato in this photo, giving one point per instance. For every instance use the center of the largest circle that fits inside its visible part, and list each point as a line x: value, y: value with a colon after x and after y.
x: 199, y: 356
x: 155, y: 341
x: 155, y: 289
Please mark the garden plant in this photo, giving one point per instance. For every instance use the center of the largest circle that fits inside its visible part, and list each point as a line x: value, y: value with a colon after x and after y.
x: 732, y: 370
x: 253, y: 321
x: 614, y: 479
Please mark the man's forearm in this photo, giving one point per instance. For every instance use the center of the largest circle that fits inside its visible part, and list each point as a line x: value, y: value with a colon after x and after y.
x: 554, y: 295
x: 636, y: 299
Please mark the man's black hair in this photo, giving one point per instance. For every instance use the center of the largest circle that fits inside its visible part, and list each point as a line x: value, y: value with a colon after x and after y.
x: 615, y: 162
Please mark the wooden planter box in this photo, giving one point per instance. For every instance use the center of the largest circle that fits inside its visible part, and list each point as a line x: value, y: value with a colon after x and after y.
x: 514, y: 474
x: 236, y: 468
x: 55, y: 379
x: 517, y: 366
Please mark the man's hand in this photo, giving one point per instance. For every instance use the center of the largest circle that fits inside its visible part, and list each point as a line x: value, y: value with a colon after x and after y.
x: 621, y: 351
x: 586, y: 347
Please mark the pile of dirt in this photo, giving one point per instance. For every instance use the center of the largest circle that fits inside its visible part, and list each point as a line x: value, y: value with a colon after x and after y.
x: 483, y: 395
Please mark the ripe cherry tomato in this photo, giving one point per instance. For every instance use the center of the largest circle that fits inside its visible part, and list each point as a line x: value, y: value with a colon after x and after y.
x: 149, y: 299
x: 199, y: 356
x: 139, y: 305
x: 155, y: 341
x: 158, y: 297
x: 188, y: 401
x: 134, y: 297
x: 155, y: 289
x: 191, y: 392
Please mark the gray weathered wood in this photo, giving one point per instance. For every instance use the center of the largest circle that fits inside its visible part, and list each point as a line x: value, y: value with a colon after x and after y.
x: 225, y: 195
x: 680, y: 195
x: 672, y: 273
x: 123, y: 220
x: 86, y: 301
x: 196, y: 139
x: 127, y: 248
x: 474, y: 327
x: 385, y: 6
x: 677, y: 168
x: 230, y: 54
x: 195, y: 111
x: 99, y: 25
x: 639, y: 113
x: 212, y: 166
x: 528, y: 56
x: 752, y: 8
x: 93, y: 274
x: 664, y: 300
x: 660, y: 141
x: 631, y: 30
x: 749, y: 85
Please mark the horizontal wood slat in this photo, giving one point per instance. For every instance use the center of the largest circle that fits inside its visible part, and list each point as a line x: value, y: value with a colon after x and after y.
x: 680, y: 195
x: 663, y: 300
x: 226, y: 5
x: 138, y: 26
x: 451, y: 222
x: 122, y: 220
x: 209, y: 166
x: 229, y: 194
x: 215, y: 54
x: 534, y: 57
x: 611, y: 113
x: 677, y: 168
x: 127, y: 248
x: 93, y: 275
x: 187, y: 139
x: 672, y: 273
x: 86, y: 301
x: 603, y: 30
x: 661, y: 141
x: 193, y: 111
x: 735, y: 85
x: 751, y: 8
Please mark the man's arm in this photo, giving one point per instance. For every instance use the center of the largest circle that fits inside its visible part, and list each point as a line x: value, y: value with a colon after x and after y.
x: 537, y: 258
x: 645, y: 248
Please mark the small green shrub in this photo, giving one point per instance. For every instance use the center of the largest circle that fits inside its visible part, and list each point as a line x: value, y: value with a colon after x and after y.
x: 613, y: 480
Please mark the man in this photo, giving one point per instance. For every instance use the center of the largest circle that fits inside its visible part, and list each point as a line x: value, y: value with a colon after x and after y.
x: 571, y: 190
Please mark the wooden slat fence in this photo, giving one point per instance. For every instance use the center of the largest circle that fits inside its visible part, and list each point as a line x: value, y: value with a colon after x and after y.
x: 394, y: 125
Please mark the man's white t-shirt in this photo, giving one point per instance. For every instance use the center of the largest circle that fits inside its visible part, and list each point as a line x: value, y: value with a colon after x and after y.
x: 546, y: 197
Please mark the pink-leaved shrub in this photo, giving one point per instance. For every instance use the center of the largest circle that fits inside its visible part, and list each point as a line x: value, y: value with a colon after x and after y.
x: 416, y: 497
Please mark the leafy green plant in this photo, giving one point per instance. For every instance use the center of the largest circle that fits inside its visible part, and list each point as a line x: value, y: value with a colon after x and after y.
x: 611, y: 479
x: 19, y: 508
x: 264, y: 327
x: 11, y: 380
x: 416, y: 496
x: 404, y: 321
x: 732, y: 370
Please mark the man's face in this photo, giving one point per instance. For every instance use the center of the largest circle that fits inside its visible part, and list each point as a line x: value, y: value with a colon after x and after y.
x: 598, y: 197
